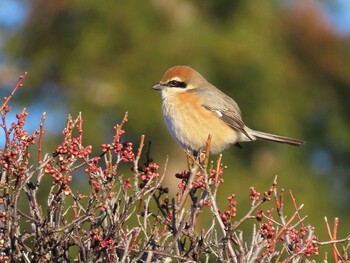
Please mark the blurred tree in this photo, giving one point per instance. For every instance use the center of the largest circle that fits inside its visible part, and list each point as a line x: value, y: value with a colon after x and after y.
x: 284, y: 64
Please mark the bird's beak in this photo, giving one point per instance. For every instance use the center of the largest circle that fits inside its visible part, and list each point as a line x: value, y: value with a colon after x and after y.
x: 157, y: 86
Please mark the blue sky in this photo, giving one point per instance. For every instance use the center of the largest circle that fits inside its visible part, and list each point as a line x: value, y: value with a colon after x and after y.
x: 339, y: 13
x: 12, y: 13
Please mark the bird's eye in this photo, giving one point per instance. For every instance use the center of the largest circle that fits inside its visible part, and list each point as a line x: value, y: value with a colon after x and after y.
x: 174, y: 83
x: 177, y: 84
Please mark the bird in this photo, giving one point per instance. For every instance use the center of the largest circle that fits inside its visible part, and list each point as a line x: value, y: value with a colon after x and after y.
x: 194, y: 109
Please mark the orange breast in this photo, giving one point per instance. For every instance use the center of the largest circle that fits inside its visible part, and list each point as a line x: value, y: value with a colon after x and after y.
x: 190, y: 123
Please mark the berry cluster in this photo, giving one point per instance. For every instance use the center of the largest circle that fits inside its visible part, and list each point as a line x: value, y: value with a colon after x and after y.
x: 67, y: 153
x: 254, y: 195
x: 230, y: 212
x: 101, y: 242
x: 127, y: 184
x: 215, y: 176
x: 184, y: 176
x: 14, y: 158
x: 301, y: 242
x: 267, y: 194
x: 259, y: 214
x: 93, y: 170
x: 123, y: 150
x: 148, y: 173
x: 72, y: 149
x: 199, y: 183
x: 60, y: 178
x: 124, y: 153
x: 267, y: 230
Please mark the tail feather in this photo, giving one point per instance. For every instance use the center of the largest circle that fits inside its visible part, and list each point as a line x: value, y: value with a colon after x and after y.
x: 276, y: 138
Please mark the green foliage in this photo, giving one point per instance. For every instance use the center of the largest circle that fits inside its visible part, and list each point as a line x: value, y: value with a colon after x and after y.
x: 284, y: 64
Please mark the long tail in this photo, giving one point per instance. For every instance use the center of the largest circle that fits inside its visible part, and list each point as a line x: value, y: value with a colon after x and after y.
x: 275, y: 138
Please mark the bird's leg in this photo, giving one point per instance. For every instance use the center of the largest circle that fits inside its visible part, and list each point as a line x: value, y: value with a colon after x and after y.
x: 196, y: 154
x: 196, y: 157
x: 199, y: 155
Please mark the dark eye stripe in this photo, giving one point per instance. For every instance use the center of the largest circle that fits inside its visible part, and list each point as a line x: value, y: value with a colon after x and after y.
x: 176, y: 84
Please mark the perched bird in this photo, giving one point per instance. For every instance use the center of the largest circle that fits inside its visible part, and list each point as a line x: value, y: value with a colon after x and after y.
x: 193, y: 109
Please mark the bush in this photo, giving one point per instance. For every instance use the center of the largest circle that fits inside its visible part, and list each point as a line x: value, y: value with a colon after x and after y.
x: 132, y: 217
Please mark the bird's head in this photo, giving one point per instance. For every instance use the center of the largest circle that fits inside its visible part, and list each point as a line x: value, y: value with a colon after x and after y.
x: 179, y: 79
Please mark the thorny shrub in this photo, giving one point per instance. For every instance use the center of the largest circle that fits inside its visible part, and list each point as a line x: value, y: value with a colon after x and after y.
x: 132, y: 217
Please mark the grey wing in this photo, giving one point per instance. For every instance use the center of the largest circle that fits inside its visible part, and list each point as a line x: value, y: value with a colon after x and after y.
x: 223, y: 106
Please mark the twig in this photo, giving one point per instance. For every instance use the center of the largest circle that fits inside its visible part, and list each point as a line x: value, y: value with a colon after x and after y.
x: 188, y: 188
x: 323, y: 243
x: 207, y: 151
x: 248, y: 214
x: 296, y: 207
x: 331, y: 236
x: 4, y: 127
x: 18, y: 85
x: 251, y: 210
x: 215, y: 211
x: 139, y: 151
x: 80, y: 128
x: 279, y: 205
x: 288, y: 223
x: 127, y: 245
x: 177, y: 232
x: 335, y: 231
x: 42, y: 131
x: 218, y: 165
x: 136, y: 163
